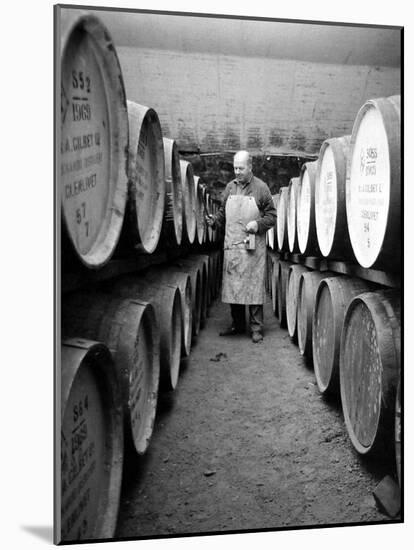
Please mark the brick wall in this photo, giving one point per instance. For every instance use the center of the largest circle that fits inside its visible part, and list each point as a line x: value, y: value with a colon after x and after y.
x: 221, y: 102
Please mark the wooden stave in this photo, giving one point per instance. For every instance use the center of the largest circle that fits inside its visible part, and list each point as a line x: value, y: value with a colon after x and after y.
x: 341, y: 247
x: 116, y: 321
x: 172, y: 231
x: 143, y: 235
x: 292, y: 290
x: 110, y: 70
x: 166, y: 301
x: 189, y: 201
x: 75, y: 352
x: 387, y: 303
x: 346, y: 289
x: 389, y: 254
x: 311, y: 247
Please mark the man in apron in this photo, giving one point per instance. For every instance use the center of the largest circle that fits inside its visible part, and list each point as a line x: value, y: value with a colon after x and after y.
x: 247, y: 209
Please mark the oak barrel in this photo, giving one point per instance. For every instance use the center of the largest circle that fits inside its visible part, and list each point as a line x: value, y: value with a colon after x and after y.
x: 308, y: 286
x: 305, y: 212
x: 91, y: 443
x: 292, y: 293
x: 146, y: 173
x: 170, y: 276
x: 166, y: 301
x: 93, y: 135
x: 281, y: 221
x: 172, y: 229
x: 332, y: 298
x: 129, y: 329
x: 189, y: 200
x: 373, y: 184
x: 370, y: 358
x: 330, y: 204
x: 196, y: 292
x: 292, y: 202
x: 282, y: 278
x: 197, y: 262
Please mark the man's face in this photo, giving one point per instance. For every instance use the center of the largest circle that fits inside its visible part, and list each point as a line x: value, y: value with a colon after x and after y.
x: 242, y: 170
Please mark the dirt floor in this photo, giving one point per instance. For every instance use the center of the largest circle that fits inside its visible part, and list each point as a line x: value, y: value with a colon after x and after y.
x: 246, y: 442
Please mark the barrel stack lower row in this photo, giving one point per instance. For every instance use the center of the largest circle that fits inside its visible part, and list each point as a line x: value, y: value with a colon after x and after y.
x: 122, y: 344
x: 350, y: 330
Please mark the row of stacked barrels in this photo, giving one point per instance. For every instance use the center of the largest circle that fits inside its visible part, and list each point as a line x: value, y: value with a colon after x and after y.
x: 121, y: 183
x: 122, y: 344
x: 118, y: 174
x: 346, y: 205
x: 350, y: 329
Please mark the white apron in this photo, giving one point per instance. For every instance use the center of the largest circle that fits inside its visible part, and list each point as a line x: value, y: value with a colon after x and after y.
x: 243, y: 270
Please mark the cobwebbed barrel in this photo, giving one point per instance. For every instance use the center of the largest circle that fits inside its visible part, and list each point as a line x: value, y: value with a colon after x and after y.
x: 93, y: 141
x: 330, y: 204
x: 332, y: 299
x: 129, y: 329
x: 370, y: 359
x: 172, y: 230
x: 146, y: 172
x: 373, y: 185
x: 91, y: 443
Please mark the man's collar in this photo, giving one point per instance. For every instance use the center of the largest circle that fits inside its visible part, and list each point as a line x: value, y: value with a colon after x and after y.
x: 243, y: 185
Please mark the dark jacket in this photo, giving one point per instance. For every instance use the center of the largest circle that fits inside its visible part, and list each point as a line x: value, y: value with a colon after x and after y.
x: 261, y: 193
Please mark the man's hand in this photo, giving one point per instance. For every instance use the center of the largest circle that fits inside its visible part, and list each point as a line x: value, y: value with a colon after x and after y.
x: 252, y: 227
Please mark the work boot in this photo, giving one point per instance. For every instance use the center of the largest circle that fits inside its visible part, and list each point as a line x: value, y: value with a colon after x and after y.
x: 256, y: 337
x: 231, y: 331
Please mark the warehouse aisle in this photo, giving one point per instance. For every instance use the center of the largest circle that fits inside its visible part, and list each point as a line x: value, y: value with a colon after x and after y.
x: 246, y: 442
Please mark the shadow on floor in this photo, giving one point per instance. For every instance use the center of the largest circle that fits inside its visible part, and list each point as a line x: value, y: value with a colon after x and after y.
x: 43, y: 532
